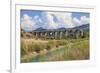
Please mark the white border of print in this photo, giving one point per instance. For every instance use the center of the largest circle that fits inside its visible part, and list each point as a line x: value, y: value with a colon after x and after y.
x: 16, y: 66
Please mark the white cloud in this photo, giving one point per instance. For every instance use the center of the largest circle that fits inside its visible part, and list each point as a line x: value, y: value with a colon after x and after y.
x: 84, y: 20
x: 38, y: 20
x: 47, y: 21
x: 27, y: 22
x: 63, y: 20
x: 51, y: 22
x: 76, y: 21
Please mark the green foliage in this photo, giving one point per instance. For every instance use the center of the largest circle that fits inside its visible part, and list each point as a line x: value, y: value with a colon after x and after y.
x: 37, y: 47
x: 48, y: 47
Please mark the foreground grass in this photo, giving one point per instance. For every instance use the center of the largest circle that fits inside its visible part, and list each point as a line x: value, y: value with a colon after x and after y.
x: 54, y: 50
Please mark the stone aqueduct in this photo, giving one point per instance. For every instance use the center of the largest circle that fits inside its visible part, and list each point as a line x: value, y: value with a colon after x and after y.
x: 58, y: 34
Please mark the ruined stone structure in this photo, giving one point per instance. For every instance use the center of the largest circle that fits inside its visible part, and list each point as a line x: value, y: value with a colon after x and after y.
x: 58, y: 34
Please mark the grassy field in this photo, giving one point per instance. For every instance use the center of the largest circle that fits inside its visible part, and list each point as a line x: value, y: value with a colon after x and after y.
x: 54, y: 50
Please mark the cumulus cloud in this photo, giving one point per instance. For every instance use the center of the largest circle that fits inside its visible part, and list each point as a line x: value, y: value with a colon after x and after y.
x: 38, y: 20
x: 52, y: 20
x: 76, y: 21
x: 66, y: 19
x: 27, y: 22
x: 84, y: 20
x: 62, y: 20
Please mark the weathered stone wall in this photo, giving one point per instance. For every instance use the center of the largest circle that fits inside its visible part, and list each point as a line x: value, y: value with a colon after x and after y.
x: 75, y: 33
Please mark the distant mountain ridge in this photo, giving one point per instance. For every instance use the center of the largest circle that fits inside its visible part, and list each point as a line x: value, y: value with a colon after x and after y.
x: 83, y: 27
x: 40, y: 29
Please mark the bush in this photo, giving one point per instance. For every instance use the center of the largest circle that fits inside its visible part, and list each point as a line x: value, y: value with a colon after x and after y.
x: 48, y: 46
x: 61, y: 42
x: 38, y: 47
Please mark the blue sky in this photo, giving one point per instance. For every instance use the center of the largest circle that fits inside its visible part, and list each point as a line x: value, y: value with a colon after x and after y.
x: 33, y: 13
x: 79, y: 14
x: 33, y: 19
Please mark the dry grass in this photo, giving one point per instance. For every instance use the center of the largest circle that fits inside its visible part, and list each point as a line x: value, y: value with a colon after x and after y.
x: 73, y: 49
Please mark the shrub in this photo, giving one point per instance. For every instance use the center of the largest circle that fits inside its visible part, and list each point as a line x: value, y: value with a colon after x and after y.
x: 38, y: 47
x: 61, y: 42
x: 48, y: 47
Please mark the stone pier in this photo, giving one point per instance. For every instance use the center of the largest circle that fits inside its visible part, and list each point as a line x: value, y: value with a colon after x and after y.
x: 63, y: 34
